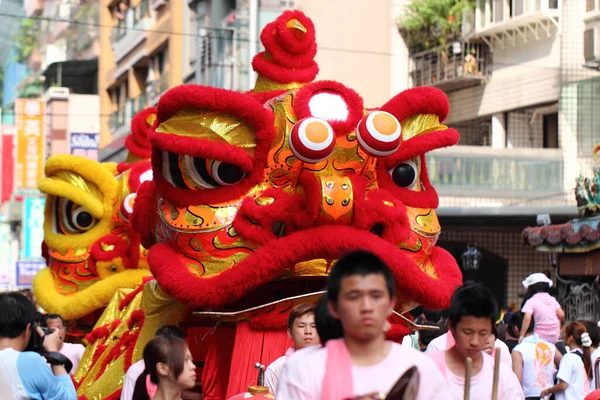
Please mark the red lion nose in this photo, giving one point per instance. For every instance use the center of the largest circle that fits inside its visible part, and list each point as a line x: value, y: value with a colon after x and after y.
x: 327, y: 200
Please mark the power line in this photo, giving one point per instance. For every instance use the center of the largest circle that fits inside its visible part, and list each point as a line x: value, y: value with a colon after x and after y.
x: 238, y: 40
x: 159, y: 31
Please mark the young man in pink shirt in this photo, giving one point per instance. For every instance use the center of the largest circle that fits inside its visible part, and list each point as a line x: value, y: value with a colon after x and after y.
x: 303, y: 332
x: 360, y: 289
x: 72, y: 351
x: 472, y: 313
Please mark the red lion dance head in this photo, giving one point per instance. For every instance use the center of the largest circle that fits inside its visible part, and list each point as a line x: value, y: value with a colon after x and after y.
x: 249, y: 195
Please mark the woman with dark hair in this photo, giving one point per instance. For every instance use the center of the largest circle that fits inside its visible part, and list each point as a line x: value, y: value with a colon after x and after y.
x: 169, y: 365
x: 513, y: 330
x: 575, y: 367
x: 592, y: 329
x: 544, y: 308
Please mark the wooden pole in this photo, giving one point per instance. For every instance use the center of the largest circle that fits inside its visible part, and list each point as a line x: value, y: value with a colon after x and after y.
x: 468, y: 370
x: 496, y: 374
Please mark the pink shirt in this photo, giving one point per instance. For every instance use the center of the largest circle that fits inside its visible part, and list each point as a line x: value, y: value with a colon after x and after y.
x: 543, y: 307
x: 509, y: 387
x: 73, y: 352
x: 302, y: 375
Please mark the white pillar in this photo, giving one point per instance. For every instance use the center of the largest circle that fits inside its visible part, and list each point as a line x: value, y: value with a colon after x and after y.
x: 399, y: 71
x: 252, y: 40
x: 498, y: 131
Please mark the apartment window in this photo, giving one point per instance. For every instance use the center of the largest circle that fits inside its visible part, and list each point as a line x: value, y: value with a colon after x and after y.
x: 588, y: 118
x: 551, y: 131
x: 276, y: 4
x: 588, y: 44
x: 590, y: 5
x: 477, y: 132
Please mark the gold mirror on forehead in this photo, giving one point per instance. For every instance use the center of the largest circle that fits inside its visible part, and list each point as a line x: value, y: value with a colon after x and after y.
x: 212, y: 126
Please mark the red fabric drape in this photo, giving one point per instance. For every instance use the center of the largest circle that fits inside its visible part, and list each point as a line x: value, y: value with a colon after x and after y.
x: 275, y: 344
x: 251, y: 347
x: 217, y: 362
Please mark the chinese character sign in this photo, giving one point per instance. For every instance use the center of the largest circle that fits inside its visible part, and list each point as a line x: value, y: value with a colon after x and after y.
x: 33, y: 227
x: 26, y: 271
x: 30, y: 142
x: 85, y: 145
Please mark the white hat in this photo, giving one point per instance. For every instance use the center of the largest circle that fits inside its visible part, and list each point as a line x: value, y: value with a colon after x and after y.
x: 538, y: 277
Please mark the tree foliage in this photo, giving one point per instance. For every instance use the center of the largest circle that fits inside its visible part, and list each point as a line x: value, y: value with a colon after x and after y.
x: 27, y: 38
x: 428, y: 24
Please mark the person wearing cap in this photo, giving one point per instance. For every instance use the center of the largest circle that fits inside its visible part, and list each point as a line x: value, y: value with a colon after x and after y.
x: 544, y: 308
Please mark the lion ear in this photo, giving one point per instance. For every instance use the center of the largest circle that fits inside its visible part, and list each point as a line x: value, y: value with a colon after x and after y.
x: 81, y: 180
x: 421, y: 112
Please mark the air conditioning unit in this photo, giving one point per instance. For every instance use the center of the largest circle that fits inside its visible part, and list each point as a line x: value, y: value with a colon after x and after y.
x: 54, y: 93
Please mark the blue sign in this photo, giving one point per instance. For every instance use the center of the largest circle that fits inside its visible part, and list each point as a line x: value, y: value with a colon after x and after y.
x: 27, y: 270
x: 85, y: 145
x: 33, y: 227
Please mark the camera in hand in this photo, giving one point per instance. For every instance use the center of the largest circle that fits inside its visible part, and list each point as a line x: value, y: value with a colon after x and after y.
x: 36, y: 341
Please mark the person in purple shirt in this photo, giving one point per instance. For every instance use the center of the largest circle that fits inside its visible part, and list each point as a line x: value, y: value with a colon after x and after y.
x: 25, y: 375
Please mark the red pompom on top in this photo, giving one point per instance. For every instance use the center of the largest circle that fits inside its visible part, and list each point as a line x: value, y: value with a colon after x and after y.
x: 290, y: 49
x: 137, y: 142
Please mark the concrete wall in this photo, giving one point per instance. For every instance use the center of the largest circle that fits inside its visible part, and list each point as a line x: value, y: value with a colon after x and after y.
x: 105, y: 65
x: 354, y: 44
x: 84, y: 111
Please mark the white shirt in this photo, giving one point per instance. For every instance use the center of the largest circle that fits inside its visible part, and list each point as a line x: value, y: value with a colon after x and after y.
x: 509, y: 387
x: 302, y: 375
x: 73, y: 352
x: 133, y: 373
x: 572, y: 371
x: 593, y: 357
x: 272, y: 373
x: 538, y: 364
x: 440, y: 343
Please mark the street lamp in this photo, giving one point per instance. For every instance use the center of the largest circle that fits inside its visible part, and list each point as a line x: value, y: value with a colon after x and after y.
x: 471, y: 258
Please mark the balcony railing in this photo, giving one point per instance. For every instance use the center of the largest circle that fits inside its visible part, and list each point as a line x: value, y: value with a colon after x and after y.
x: 131, y: 30
x: 488, y: 172
x: 132, y: 16
x: 156, y: 88
x: 120, y: 120
x: 459, y: 65
x: 494, y: 13
x: 214, y: 56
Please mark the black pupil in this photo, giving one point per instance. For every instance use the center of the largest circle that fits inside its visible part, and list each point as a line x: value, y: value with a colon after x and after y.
x: 84, y: 219
x: 404, y: 175
x: 230, y: 173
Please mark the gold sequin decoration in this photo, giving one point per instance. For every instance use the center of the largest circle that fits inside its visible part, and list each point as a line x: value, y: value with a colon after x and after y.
x: 211, y: 126
x: 78, y: 182
x: 421, y: 124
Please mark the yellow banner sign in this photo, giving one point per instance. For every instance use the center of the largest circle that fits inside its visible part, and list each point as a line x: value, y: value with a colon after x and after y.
x: 30, y: 143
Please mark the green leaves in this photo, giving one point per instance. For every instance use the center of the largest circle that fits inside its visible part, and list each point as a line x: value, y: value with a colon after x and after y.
x: 429, y: 24
x: 27, y: 38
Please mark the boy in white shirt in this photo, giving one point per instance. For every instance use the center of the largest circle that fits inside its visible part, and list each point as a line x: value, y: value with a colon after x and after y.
x: 303, y: 332
x: 534, y: 363
x: 472, y: 313
x: 360, y: 289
